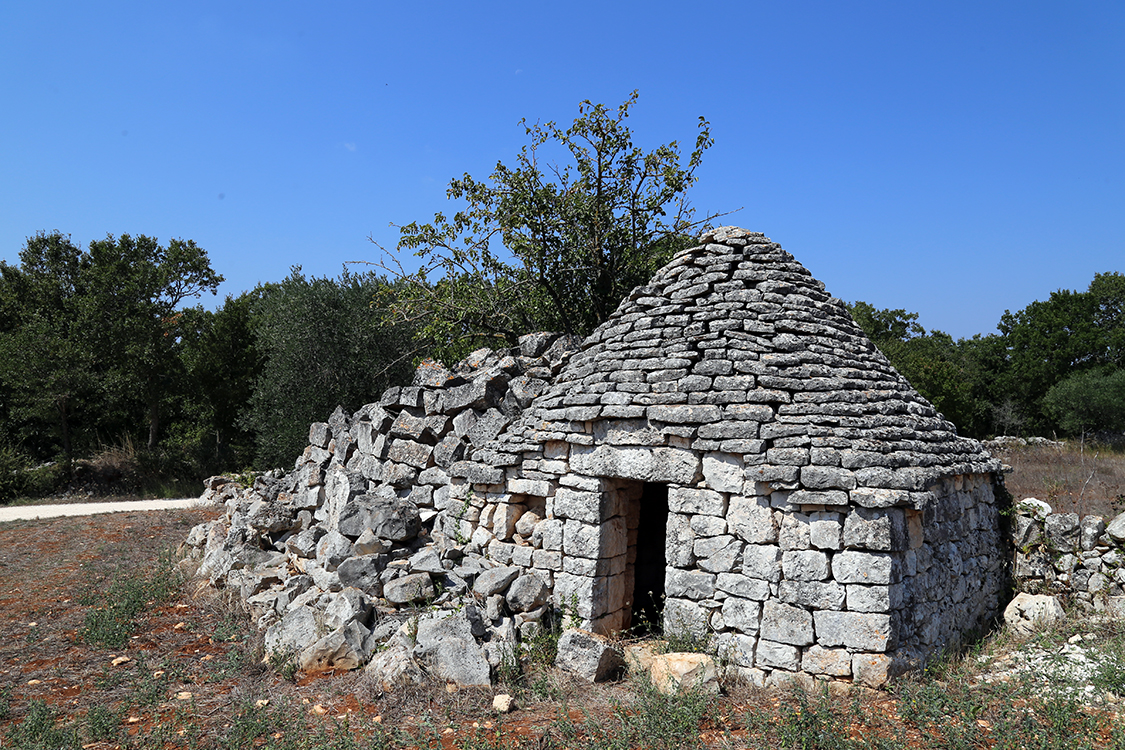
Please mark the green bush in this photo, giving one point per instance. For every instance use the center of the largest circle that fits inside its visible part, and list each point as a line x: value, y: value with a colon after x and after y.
x: 13, y: 470
x: 1088, y: 402
x: 19, y: 479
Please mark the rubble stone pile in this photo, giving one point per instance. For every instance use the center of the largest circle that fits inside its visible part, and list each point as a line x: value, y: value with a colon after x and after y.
x: 333, y: 557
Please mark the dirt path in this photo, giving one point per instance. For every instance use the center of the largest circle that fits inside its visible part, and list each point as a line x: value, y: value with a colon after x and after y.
x: 32, y: 512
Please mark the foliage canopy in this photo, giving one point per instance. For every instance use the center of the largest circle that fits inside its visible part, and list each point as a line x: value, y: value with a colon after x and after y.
x: 94, y: 336
x: 321, y: 346
x: 544, y: 246
x: 1088, y: 402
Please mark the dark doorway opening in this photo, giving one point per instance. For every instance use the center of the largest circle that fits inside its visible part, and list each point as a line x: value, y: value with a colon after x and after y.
x: 649, y: 562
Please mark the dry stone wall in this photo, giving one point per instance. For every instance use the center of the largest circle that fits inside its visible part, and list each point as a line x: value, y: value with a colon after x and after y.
x: 331, y: 557
x: 1081, y: 559
x: 813, y: 515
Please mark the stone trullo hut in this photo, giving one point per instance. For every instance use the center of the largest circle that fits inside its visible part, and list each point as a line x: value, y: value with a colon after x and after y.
x: 729, y: 454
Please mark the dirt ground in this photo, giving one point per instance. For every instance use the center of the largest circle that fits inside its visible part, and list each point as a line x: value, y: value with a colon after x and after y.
x: 190, y: 675
x: 192, y: 667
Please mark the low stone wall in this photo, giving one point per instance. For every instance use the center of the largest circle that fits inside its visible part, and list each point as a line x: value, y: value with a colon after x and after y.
x: 1080, y: 559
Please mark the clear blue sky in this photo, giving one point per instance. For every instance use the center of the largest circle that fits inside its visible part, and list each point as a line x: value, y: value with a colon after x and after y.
x: 950, y: 158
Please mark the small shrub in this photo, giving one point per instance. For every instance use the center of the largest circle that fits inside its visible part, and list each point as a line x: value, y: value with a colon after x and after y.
x: 102, y: 723
x: 543, y: 645
x: 18, y: 479
x: 510, y: 671
x: 39, y: 731
x: 13, y: 474
x: 110, y: 623
x: 285, y: 664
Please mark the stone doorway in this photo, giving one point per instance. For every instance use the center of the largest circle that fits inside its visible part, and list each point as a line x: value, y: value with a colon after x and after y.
x: 647, y: 523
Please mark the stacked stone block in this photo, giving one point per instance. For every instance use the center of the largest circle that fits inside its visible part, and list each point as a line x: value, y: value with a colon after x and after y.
x: 1081, y: 558
x: 823, y: 518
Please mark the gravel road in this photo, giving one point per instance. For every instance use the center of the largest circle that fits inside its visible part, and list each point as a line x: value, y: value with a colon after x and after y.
x: 31, y: 512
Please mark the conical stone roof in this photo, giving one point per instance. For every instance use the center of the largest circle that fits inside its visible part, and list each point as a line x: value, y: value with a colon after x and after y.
x: 735, y: 347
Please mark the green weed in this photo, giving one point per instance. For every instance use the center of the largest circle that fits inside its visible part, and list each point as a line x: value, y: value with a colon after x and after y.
x: 150, y: 690
x: 510, y: 672
x: 808, y: 724
x: 651, y: 720
x: 664, y: 721
x: 40, y: 731
x: 285, y: 664
x: 680, y: 638
x: 110, y: 623
x: 231, y: 628
x: 102, y: 723
x: 252, y: 721
x: 542, y: 646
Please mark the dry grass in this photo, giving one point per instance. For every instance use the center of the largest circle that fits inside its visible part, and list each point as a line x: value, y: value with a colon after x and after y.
x: 1072, y: 478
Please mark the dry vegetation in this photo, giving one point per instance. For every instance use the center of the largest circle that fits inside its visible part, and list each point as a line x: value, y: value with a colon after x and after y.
x: 1072, y: 477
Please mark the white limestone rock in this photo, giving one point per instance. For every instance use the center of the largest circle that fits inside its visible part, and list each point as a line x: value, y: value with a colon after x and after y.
x: 587, y: 655
x: 671, y: 673
x: 1027, y: 613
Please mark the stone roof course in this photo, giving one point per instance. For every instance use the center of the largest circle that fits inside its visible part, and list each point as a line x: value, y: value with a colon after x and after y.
x: 736, y: 332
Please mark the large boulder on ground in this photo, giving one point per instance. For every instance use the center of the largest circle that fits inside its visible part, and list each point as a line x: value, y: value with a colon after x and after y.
x: 674, y: 672
x: 1028, y: 613
x: 295, y: 630
x: 447, y: 647
x: 393, y: 667
x: 638, y: 656
x: 342, y: 649
x: 587, y: 655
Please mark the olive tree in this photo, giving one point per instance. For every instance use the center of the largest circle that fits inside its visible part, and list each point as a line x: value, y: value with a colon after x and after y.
x: 321, y: 346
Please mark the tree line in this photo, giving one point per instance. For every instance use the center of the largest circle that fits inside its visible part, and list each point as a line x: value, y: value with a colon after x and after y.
x: 1054, y: 368
x: 101, y: 346
x: 99, y: 351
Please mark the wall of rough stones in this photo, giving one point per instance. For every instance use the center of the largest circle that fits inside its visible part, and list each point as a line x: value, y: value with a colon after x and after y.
x: 823, y: 520
x: 330, y: 556
x: 1081, y: 559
